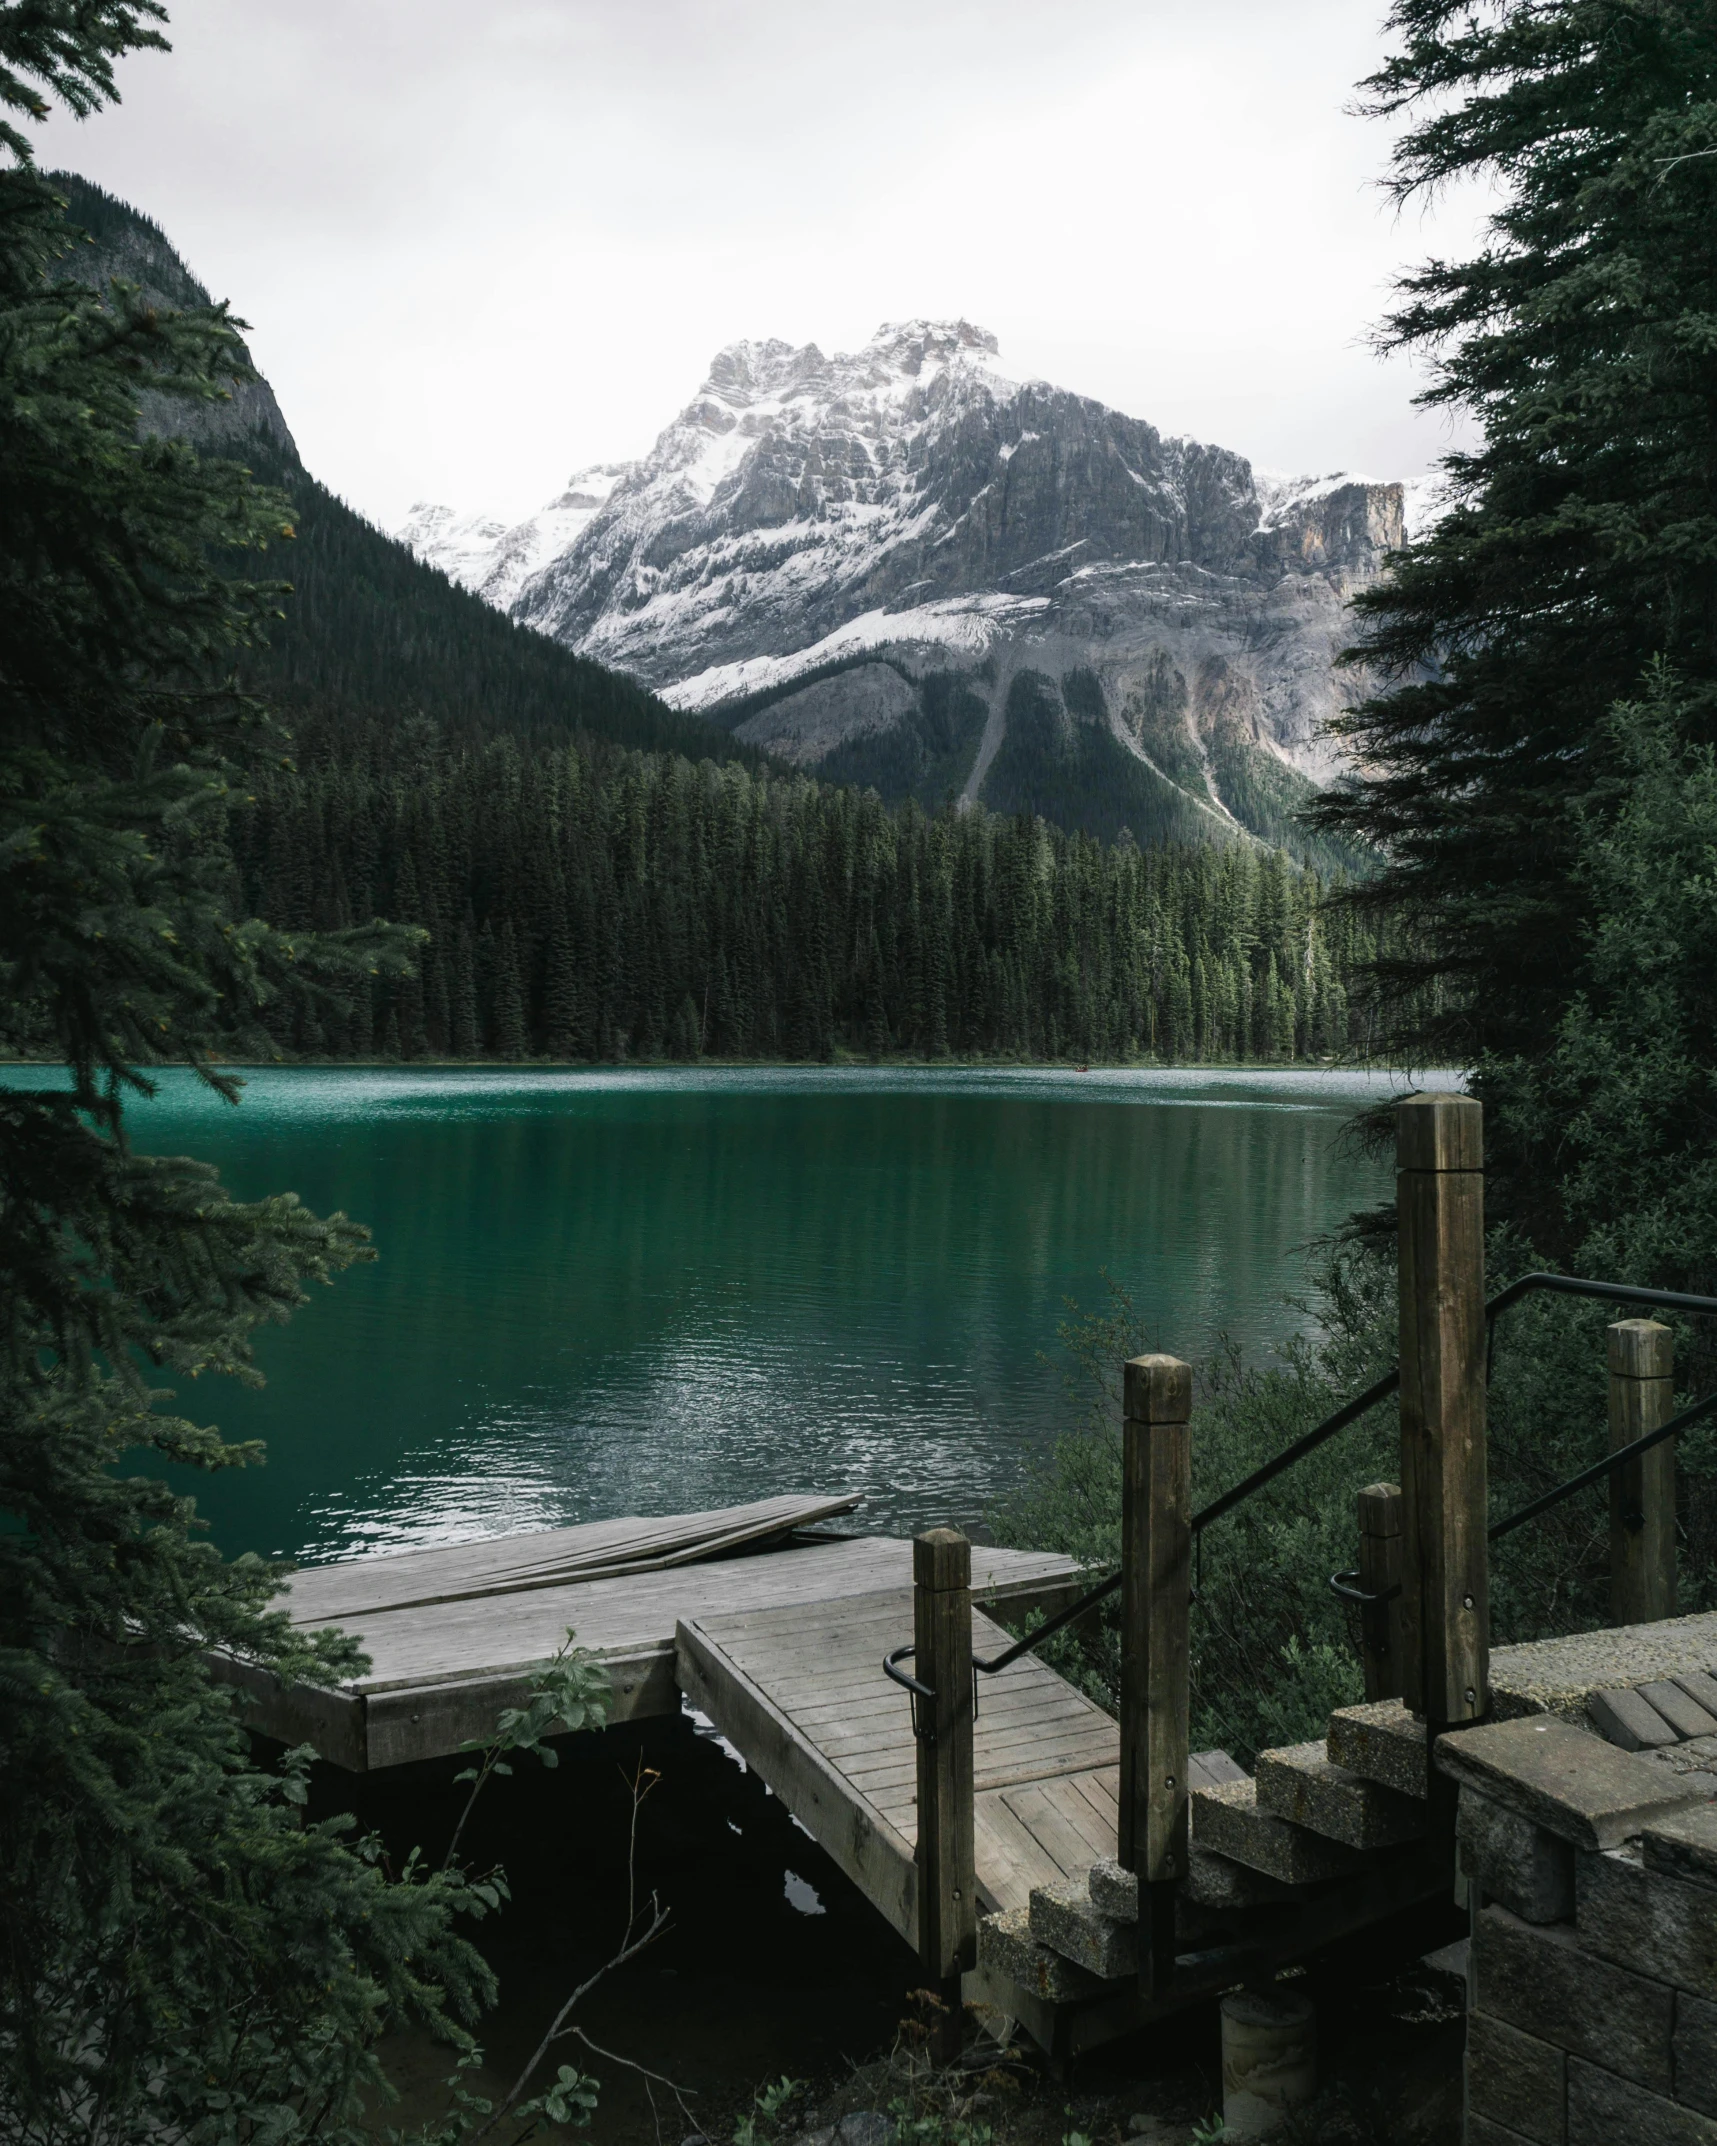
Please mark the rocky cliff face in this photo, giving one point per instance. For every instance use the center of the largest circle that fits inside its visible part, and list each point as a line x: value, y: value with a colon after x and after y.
x: 124, y: 244
x: 898, y: 566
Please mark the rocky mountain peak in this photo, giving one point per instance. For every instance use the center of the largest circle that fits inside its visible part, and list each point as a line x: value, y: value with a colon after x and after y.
x: 888, y: 563
x: 910, y: 346
x: 748, y: 372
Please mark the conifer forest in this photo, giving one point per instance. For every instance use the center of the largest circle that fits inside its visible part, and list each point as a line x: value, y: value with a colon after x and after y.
x: 587, y: 902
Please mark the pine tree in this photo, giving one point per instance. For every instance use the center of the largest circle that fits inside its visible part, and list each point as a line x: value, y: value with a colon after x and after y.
x: 466, y: 1038
x: 179, y: 1955
x: 561, y: 1038
x: 507, y: 1038
x: 1582, y: 539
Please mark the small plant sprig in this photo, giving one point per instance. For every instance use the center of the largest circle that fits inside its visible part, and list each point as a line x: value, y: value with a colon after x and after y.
x: 570, y: 1692
x: 762, y: 2122
x: 918, y: 2125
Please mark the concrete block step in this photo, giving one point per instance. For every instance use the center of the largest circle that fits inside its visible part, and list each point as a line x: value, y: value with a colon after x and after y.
x: 1564, y: 1779
x: 1205, y: 1901
x: 1065, y: 1917
x: 1302, y: 1784
x: 1227, y: 1821
x: 1007, y: 1947
x: 1220, y: 1886
x: 1684, y: 1845
x: 1380, y: 1741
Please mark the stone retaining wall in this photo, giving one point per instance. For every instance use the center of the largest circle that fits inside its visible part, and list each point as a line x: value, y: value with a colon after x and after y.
x: 1598, y: 2028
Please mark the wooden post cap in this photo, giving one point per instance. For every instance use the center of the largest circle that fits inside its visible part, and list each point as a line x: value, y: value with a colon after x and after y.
x: 941, y: 1558
x: 1641, y: 1349
x: 1439, y: 1132
x: 1157, y: 1389
x: 1380, y: 1509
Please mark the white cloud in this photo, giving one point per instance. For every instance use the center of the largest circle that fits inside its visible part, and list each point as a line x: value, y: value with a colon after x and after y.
x: 482, y: 247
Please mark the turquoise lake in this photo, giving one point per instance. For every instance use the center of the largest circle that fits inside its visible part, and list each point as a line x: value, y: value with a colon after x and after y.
x: 602, y: 1293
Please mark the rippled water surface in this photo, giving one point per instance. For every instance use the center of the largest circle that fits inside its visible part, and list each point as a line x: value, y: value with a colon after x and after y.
x: 650, y: 1292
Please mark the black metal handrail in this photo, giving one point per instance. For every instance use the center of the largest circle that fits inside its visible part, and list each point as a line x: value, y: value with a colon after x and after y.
x: 1346, y: 1414
x: 1345, y: 1584
x: 922, y: 1725
x: 907, y: 1683
x: 1058, y: 1623
x: 1574, y: 1285
x: 1695, y: 1413
x: 1342, y: 1583
x: 1552, y: 1284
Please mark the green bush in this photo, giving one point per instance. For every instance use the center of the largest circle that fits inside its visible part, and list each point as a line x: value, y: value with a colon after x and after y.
x: 1273, y: 1650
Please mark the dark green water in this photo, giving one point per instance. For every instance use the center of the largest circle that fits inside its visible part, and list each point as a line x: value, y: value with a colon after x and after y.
x: 652, y: 1292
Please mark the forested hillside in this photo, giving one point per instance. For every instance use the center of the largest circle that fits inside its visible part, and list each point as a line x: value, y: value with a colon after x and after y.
x: 585, y: 903
x: 603, y: 877
x: 369, y: 632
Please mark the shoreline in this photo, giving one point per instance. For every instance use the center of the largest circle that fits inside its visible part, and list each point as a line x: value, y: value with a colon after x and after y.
x: 845, y: 1064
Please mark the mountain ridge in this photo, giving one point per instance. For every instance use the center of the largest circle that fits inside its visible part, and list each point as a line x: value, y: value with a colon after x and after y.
x: 854, y: 562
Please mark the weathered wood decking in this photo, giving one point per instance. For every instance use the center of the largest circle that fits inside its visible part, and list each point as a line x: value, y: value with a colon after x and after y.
x: 801, y: 1694
x: 454, y: 1634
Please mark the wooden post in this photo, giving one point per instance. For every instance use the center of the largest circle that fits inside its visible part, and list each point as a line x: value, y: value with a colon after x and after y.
x: 1642, y: 1495
x: 947, y: 1877
x: 1379, y: 1570
x: 1156, y: 1579
x: 1444, y: 1550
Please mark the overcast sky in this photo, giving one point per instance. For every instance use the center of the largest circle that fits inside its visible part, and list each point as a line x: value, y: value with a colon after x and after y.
x: 481, y: 245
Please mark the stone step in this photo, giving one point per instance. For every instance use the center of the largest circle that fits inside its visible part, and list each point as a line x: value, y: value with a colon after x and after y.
x: 1380, y: 1741
x: 1565, y: 1779
x: 1227, y: 1821
x: 1212, y: 1891
x: 1303, y: 1785
x: 1221, y: 1886
x: 1007, y: 1947
x: 1684, y: 1844
x: 1066, y: 1918
x: 1113, y: 1891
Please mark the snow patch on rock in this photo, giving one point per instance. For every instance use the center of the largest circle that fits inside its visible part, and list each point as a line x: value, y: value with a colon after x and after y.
x: 968, y: 624
x: 495, y: 559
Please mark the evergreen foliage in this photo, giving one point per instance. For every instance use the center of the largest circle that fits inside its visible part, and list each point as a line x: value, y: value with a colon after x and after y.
x: 180, y: 1956
x: 1623, y: 1094
x: 584, y: 903
x: 1582, y: 541
x: 370, y: 631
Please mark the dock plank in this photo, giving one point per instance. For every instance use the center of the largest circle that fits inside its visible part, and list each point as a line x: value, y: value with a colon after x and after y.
x: 834, y: 1741
x: 440, y: 1672
x: 451, y: 1572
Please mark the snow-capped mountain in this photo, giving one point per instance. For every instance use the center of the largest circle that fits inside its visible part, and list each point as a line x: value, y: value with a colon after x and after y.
x: 496, y: 560
x: 898, y: 566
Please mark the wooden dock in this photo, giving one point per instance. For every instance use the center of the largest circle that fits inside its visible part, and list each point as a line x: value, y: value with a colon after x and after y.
x: 454, y: 1634
x: 1079, y: 1874
x: 801, y: 1695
